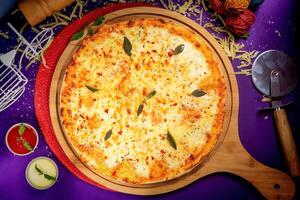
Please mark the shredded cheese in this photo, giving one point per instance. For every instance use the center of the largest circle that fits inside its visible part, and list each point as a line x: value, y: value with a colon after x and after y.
x: 35, y: 29
x: 265, y: 99
x: 204, y: 5
x: 23, y: 27
x: 43, y: 51
x: 246, y: 72
x: 4, y: 35
x: 15, y: 11
x: 201, y: 17
x: 188, y: 8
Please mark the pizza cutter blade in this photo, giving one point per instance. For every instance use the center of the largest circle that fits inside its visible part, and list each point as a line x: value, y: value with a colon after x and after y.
x: 271, y: 60
x: 274, y: 74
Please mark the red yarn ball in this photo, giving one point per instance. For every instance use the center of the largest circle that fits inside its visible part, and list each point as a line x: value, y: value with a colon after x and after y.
x: 239, y: 24
x: 236, y: 6
x: 218, y: 6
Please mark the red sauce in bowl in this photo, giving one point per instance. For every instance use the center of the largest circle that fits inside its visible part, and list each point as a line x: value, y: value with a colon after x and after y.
x: 21, y: 140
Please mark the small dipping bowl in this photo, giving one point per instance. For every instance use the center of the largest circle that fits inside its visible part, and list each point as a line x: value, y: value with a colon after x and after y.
x: 38, y: 169
x: 19, y: 144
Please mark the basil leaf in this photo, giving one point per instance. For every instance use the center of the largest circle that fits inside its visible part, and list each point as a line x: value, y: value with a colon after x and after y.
x: 99, y: 21
x: 51, y: 178
x: 38, y: 170
x: 77, y: 35
x: 171, y: 140
x: 140, y: 109
x: 151, y: 94
x: 90, y: 31
x: 91, y: 88
x: 178, y: 49
x: 27, y: 145
x: 108, y: 134
x: 22, y: 129
x: 198, y: 93
x: 127, y: 46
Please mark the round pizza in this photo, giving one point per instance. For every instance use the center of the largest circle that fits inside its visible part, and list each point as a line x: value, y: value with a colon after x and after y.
x: 143, y: 100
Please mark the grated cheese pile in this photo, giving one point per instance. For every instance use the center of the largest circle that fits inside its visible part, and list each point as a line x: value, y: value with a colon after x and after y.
x: 61, y: 19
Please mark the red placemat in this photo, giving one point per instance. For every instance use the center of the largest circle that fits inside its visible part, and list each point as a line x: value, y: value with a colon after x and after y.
x: 44, y: 77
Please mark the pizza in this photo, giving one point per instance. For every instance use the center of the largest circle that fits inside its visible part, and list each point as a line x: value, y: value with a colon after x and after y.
x: 142, y: 101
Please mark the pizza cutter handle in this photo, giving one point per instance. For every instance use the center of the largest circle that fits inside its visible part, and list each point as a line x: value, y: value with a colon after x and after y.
x: 287, y: 142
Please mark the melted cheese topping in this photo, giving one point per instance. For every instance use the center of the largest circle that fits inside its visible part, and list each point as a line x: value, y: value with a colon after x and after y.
x: 138, y: 150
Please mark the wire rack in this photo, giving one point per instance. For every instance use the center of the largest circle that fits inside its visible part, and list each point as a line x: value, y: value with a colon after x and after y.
x: 12, y: 81
x: 12, y: 85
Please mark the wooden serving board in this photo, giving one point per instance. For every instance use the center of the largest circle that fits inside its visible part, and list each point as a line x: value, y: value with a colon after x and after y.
x: 229, y: 154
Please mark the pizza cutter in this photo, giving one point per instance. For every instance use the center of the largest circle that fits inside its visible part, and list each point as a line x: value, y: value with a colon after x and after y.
x: 274, y: 74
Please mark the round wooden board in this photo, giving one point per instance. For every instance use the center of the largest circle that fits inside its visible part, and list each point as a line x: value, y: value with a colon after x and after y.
x: 228, y: 155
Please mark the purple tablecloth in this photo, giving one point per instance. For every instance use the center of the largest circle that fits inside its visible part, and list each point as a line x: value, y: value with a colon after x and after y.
x: 274, y: 29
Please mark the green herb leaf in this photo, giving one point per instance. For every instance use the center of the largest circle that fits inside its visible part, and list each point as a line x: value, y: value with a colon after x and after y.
x: 151, y: 94
x: 99, y: 21
x: 77, y: 35
x: 171, y: 140
x: 198, y: 93
x: 140, y: 109
x: 178, y: 49
x: 51, y: 178
x: 91, y: 88
x: 90, y: 31
x: 38, y: 170
x: 27, y: 145
x: 22, y: 129
x: 108, y: 134
x: 127, y: 46
x: 46, y: 176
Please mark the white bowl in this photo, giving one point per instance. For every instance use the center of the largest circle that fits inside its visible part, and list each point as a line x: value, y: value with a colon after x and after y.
x: 27, y: 169
x: 35, y: 132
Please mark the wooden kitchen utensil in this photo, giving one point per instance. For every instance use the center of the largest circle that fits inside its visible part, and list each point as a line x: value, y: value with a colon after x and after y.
x: 36, y: 11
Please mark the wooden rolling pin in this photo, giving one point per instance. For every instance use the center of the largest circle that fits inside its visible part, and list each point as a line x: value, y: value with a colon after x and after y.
x: 36, y: 11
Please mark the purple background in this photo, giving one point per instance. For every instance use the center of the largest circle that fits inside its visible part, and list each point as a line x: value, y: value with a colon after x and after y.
x: 256, y: 130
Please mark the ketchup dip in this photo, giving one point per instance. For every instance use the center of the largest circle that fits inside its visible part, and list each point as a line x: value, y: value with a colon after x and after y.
x: 21, y: 139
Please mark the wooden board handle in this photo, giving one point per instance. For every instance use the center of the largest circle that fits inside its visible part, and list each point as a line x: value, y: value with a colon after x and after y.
x: 233, y: 158
x: 287, y: 142
x: 271, y: 183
